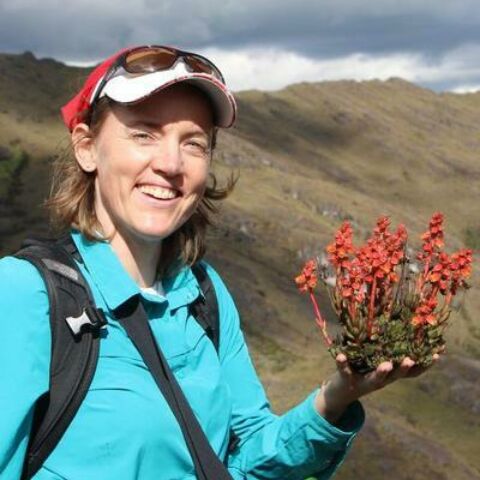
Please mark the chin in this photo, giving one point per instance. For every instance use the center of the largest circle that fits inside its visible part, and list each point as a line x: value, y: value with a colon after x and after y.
x: 153, y: 234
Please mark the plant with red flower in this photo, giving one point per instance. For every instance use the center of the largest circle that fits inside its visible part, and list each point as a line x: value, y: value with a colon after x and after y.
x: 387, y: 308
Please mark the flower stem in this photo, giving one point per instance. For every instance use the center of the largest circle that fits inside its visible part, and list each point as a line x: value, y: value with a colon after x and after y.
x: 372, y: 305
x: 422, y: 278
x: 319, y: 319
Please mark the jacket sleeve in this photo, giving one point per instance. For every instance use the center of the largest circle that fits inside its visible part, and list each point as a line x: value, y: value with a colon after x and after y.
x: 24, y: 357
x: 295, y: 445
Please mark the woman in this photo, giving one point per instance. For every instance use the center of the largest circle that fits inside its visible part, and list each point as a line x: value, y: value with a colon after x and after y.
x: 136, y: 200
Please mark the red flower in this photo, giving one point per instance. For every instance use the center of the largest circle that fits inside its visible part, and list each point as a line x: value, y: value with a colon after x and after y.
x: 308, y: 279
x: 432, y: 238
x: 342, y: 247
x: 424, y: 313
x: 439, y: 275
x: 461, y: 268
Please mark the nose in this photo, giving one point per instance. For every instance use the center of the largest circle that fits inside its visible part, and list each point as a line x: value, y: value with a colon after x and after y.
x: 167, y: 158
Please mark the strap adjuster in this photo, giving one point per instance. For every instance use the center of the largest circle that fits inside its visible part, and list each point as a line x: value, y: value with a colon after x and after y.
x: 91, y: 319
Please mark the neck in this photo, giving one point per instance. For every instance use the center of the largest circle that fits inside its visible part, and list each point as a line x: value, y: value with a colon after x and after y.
x: 140, y: 259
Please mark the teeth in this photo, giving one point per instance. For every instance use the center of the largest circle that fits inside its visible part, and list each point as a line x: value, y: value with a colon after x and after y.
x: 158, y: 192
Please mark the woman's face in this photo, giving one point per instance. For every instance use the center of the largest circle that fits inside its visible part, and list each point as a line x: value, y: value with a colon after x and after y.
x: 151, y: 161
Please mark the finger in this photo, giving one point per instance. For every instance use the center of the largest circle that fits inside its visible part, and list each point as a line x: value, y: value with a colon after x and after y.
x: 440, y: 353
x: 418, y: 369
x: 384, y: 369
x: 341, y: 357
x: 344, y: 369
x: 403, y: 370
x: 406, y: 367
x: 342, y: 365
x: 379, y: 376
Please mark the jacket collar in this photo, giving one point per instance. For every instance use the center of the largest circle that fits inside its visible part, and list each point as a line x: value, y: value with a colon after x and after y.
x: 117, y: 286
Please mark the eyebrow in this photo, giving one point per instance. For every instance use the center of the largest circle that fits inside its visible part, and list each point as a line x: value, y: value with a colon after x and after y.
x: 142, y: 123
x: 194, y: 130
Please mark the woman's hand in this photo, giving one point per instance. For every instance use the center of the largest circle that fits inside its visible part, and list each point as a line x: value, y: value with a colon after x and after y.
x: 346, y: 386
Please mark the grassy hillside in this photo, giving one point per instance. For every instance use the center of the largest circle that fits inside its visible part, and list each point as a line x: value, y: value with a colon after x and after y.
x: 310, y: 156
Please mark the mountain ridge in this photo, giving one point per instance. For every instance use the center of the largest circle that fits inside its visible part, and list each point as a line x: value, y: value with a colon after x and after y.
x: 310, y: 156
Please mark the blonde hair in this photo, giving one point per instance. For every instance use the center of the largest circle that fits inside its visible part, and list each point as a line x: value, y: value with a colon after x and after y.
x: 71, y: 203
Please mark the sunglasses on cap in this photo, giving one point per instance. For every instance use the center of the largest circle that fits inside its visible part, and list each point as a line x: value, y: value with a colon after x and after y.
x: 150, y: 59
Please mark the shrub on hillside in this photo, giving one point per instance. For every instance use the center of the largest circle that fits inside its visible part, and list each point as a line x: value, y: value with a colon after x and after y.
x: 10, y: 170
x: 472, y: 237
x: 5, y: 153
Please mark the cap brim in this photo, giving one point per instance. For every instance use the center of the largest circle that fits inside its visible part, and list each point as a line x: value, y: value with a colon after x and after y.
x: 131, y: 89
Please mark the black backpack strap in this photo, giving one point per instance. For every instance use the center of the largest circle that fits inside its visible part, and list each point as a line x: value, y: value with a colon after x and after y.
x: 205, y: 308
x: 133, y: 318
x: 205, y: 311
x: 69, y: 297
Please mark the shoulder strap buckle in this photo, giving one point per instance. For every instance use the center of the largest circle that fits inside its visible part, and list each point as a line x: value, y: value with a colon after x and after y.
x: 90, y: 319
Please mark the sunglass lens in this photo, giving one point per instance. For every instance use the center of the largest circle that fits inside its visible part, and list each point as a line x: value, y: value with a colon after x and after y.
x: 198, y: 65
x: 155, y: 59
x: 149, y: 60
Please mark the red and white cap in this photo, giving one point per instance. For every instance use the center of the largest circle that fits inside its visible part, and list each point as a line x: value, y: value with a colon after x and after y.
x: 127, y: 88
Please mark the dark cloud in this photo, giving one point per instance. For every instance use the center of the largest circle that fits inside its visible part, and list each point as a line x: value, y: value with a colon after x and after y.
x: 84, y: 29
x: 364, y: 35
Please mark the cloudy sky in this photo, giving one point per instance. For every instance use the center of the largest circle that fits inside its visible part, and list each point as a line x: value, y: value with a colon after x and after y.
x: 265, y: 44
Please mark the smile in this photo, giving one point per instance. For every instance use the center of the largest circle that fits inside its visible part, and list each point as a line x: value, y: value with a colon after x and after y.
x: 159, y: 193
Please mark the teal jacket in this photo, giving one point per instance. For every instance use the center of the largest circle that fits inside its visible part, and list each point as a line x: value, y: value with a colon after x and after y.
x: 124, y: 429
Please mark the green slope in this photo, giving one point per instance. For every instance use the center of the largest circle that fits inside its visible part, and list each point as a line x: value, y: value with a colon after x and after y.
x: 310, y: 156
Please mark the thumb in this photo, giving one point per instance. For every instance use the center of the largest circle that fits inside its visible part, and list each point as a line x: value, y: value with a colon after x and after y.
x: 342, y: 366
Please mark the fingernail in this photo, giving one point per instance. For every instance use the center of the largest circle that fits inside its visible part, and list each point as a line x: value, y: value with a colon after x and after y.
x: 407, y: 362
x: 385, y: 370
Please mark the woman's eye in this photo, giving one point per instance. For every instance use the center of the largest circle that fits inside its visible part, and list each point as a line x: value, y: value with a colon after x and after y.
x: 141, y: 135
x: 198, y: 146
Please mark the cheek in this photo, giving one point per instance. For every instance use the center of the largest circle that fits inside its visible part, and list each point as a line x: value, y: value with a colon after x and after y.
x: 200, y: 177
x: 112, y: 185
x: 119, y: 167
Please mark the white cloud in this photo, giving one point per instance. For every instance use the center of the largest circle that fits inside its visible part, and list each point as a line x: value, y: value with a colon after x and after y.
x: 273, y: 69
x: 461, y: 89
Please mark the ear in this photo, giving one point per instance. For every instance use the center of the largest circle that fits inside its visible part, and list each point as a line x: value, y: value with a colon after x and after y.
x: 84, y: 147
